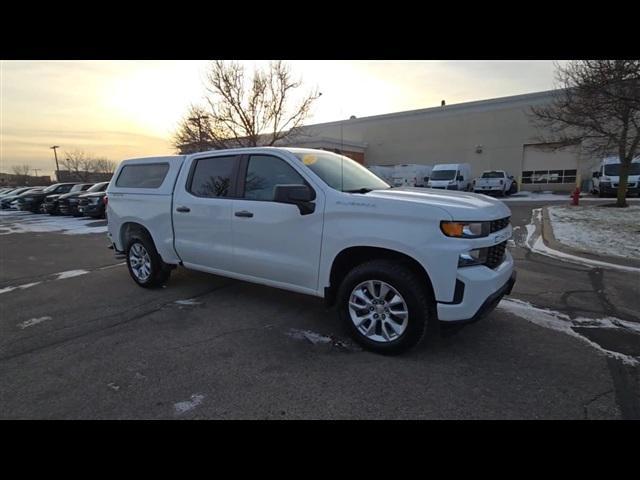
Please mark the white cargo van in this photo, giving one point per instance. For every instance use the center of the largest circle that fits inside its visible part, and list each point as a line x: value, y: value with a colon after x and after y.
x: 411, y: 175
x: 607, y: 177
x: 451, y: 176
x: 394, y: 261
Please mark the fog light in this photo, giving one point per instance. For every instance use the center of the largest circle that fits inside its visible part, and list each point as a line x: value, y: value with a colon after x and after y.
x: 472, y: 257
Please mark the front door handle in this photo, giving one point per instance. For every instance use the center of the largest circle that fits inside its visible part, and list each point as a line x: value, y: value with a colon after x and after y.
x: 183, y: 209
x: 244, y: 213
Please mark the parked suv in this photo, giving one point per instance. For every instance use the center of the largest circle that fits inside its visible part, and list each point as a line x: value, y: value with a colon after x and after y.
x: 7, y: 199
x: 92, y: 203
x: 33, y: 200
x: 394, y: 261
x: 52, y: 203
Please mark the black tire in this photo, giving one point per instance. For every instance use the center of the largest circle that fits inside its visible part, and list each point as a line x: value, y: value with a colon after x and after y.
x: 513, y: 188
x: 160, y: 271
x: 600, y: 193
x: 419, y: 303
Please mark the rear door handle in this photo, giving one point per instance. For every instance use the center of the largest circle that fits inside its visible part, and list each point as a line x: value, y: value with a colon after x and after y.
x: 183, y: 209
x: 244, y: 213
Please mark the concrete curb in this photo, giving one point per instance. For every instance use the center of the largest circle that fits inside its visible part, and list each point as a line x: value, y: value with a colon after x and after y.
x: 550, y: 240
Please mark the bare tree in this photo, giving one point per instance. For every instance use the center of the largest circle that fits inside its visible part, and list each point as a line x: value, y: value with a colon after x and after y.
x: 599, y: 108
x: 78, y: 163
x: 21, y: 172
x: 103, y: 165
x: 245, y: 112
x: 194, y: 133
x: 82, y: 165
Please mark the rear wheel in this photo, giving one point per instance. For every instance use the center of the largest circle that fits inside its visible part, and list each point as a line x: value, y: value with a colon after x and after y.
x: 145, y: 264
x: 384, y: 306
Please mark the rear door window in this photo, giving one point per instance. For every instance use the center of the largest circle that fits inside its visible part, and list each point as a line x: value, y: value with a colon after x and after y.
x: 214, y: 177
x: 144, y: 175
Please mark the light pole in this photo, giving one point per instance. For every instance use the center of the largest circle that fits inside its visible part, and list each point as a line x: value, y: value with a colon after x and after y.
x: 57, y: 166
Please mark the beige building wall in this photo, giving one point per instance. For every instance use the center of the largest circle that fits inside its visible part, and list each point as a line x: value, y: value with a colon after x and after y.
x: 489, y: 134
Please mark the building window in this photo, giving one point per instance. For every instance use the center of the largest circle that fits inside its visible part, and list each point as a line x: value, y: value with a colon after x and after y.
x: 549, y: 176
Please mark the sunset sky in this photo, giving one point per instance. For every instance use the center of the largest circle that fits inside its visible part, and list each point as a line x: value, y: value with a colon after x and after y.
x: 121, y: 109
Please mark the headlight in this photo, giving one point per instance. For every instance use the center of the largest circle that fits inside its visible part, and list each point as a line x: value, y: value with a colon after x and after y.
x: 465, y: 229
x: 473, y: 257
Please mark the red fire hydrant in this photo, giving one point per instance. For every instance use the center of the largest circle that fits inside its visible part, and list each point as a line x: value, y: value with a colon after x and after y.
x: 575, y: 196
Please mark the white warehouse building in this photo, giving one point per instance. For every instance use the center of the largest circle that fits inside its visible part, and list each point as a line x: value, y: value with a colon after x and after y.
x: 488, y: 134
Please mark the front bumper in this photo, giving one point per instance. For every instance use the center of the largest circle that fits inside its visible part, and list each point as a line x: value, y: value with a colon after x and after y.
x: 481, y: 289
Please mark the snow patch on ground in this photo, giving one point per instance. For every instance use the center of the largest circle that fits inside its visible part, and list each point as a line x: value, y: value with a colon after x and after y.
x: 70, y: 274
x: 33, y: 321
x: 22, y: 287
x: 308, y: 335
x: 600, y: 230
x: 563, y: 323
x: 27, y: 222
x: 188, y: 405
x: 187, y: 302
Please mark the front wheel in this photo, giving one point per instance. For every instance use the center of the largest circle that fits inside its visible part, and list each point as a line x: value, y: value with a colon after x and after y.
x: 145, y: 264
x: 385, y: 306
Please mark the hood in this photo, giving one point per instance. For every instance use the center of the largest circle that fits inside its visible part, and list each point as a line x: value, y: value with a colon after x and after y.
x: 69, y: 195
x: 460, y: 205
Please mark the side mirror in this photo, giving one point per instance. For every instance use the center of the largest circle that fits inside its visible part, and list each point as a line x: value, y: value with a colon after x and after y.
x: 596, y: 174
x: 460, y: 178
x: 300, y: 195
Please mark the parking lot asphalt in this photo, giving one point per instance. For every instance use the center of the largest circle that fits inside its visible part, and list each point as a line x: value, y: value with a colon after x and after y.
x: 79, y: 340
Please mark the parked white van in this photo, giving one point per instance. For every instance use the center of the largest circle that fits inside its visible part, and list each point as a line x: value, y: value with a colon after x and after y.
x: 451, y: 176
x: 606, y: 178
x: 411, y: 175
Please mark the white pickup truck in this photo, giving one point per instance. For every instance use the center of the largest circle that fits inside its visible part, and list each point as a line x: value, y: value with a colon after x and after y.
x: 394, y: 261
x: 495, y: 181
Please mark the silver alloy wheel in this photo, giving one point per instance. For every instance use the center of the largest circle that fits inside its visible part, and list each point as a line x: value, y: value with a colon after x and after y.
x: 378, y: 311
x: 140, y: 262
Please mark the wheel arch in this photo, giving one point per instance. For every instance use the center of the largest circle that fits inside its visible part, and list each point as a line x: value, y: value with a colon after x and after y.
x: 350, y: 257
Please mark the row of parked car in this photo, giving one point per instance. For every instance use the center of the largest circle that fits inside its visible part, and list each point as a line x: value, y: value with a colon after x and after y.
x: 72, y: 198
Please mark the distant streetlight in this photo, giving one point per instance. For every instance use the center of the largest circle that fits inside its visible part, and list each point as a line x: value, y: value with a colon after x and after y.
x: 57, y: 166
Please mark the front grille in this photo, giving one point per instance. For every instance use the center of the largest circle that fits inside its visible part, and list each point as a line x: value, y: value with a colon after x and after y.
x: 499, y: 224
x: 495, y: 255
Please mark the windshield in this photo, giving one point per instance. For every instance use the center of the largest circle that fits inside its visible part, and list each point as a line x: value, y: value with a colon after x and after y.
x: 443, y: 174
x: 51, y: 188
x: 77, y: 188
x: 493, y: 175
x: 340, y: 172
x: 98, y: 187
x: 613, y: 169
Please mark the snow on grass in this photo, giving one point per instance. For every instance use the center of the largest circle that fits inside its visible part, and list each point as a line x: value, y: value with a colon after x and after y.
x: 599, y: 230
x: 27, y: 222
x: 561, y: 322
x: 538, y: 246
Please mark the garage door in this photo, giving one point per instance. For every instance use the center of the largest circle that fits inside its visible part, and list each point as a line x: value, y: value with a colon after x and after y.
x: 546, y: 168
